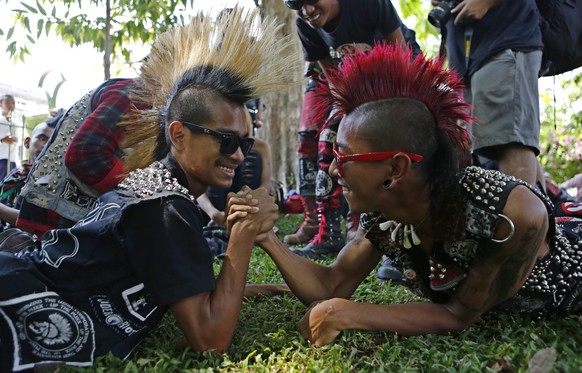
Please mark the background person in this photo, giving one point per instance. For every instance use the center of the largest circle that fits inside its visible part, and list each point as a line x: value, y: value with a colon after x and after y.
x: 8, y: 142
x: 496, y: 46
x: 342, y: 26
x: 14, y: 181
x: 64, y: 185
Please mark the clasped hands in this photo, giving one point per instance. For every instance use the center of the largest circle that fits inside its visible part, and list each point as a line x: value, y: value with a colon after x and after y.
x: 256, y: 206
x: 320, y: 323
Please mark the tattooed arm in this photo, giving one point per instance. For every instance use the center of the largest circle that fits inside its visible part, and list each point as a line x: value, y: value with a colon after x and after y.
x: 500, y: 270
x: 496, y: 274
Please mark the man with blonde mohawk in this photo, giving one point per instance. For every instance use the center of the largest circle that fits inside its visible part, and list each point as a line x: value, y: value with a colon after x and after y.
x: 102, y: 285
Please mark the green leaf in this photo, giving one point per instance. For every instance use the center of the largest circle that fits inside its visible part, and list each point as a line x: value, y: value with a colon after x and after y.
x: 43, y: 77
x: 30, y: 39
x: 10, y: 32
x: 30, y: 8
x: 39, y: 27
x: 53, y: 102
x: 11, y: 48
x: 131, y: 368
x: 47, y: 27
x: 26, y: 22
x: 40, y: 8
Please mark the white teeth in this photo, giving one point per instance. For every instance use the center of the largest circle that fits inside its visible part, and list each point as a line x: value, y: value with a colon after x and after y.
x: 310, y: 19
x: 227, y: 169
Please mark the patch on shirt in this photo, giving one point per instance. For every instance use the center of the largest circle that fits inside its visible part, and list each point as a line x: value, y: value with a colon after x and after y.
x: 352, y: 48
x: 323, y: 184
x: 107, y: 313
x: 327, y: 135
x: 45, y: 329
x: 572, y: 209
x: 72, y: 193
x: 137, y: 303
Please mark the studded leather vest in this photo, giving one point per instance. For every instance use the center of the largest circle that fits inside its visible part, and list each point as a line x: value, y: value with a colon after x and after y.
x: 554, y: 284
x: 51, y: 185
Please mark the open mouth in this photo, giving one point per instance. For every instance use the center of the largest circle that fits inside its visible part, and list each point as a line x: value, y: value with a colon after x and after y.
x: 226, y: 169
x: 313, y: 17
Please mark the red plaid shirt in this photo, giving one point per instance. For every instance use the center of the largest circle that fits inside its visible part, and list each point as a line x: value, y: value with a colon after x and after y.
x: 94, y: 154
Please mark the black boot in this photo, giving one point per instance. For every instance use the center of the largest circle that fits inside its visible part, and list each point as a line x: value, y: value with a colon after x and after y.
x: 329, y: 239
x: 387, y: 272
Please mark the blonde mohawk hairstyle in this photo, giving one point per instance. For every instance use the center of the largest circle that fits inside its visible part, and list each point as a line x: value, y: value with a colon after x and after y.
x: 239, y: 55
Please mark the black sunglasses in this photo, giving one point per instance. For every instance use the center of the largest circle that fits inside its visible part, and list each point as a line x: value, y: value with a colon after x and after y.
x: 297, y: 4
x: 229, y: 142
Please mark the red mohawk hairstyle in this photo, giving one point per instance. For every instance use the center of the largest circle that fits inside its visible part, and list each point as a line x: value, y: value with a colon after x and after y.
x: 387, y: 71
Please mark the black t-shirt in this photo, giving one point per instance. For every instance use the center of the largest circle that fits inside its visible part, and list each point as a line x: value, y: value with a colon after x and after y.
x: 509, y: 25
x: 170, y: 254
x: 361, y: 22
x: 103, y: 284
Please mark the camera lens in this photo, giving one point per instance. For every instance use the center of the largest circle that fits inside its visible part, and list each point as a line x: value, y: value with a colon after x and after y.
x: 440, y: 14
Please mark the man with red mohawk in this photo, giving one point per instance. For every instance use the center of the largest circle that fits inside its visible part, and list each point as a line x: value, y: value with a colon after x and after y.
x: 469, y: 240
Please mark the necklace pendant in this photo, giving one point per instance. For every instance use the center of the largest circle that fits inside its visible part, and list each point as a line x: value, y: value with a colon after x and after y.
x: 405, y: 238
x: 394, y: 234
x: 415, y: 239
x: 409, y: 236
x: 387, y: 225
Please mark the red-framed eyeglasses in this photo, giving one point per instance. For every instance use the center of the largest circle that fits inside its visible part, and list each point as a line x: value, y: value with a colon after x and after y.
x: 369, y: 157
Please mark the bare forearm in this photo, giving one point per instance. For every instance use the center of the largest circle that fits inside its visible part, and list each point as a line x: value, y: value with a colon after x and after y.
x: 397, y: 38
x: 264, y: 151
x: 257, y: 290
x: 208, y: 320
x: 305, y: 278
x: 326, y: 320
x: 8, y: 214
x: 226, y: 300
x: 206, y: 205
x: 267, y: 174
x: 405, y: 319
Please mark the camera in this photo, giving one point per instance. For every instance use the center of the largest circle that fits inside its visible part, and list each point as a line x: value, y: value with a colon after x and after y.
x: 440, y: 14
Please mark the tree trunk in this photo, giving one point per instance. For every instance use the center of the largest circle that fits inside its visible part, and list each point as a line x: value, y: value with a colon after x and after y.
x: 283, y: 109
x: 108, y: 41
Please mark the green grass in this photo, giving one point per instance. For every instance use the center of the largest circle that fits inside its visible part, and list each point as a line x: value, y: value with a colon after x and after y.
x: 267, y: 340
